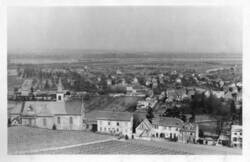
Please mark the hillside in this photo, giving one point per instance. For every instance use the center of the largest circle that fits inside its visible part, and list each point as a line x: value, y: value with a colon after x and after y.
x: 111, y: 103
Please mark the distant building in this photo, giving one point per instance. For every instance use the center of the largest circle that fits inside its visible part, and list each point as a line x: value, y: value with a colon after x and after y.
x: 236, y: 136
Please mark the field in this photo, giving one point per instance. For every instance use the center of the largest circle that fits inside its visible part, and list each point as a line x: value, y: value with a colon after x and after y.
x: 24, y: 140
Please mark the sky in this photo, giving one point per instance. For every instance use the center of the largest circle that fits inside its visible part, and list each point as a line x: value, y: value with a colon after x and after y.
x: 170, y: 29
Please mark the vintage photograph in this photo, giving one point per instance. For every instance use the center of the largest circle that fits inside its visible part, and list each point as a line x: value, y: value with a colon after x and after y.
x: 150, y: 80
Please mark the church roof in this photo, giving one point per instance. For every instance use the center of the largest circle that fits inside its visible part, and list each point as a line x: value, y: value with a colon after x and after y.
x: 50, y: 108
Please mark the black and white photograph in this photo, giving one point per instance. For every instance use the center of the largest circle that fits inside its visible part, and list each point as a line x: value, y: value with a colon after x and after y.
x: 124, y: 80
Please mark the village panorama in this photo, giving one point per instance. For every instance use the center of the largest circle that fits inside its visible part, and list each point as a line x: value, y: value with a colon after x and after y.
x: 67, y: 101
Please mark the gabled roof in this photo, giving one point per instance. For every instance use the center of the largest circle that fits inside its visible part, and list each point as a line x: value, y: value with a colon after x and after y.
x: 168, y: 122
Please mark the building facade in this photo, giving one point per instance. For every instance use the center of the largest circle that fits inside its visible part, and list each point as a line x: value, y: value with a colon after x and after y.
x: 236, y: 136
x: 115, y: 123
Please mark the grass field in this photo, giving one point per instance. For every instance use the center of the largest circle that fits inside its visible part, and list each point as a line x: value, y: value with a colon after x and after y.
x: 24, y: 140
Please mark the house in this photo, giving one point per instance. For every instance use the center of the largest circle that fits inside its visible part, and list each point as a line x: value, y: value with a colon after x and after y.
x: 149, y: 102
x: 236, y: 136
x: 144, y: 130
x: 189, y: 133
x: 167, y: 127
x: 115, y: 123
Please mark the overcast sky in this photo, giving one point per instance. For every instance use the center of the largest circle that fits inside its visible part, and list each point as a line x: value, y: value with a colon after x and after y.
x: 153, y: 29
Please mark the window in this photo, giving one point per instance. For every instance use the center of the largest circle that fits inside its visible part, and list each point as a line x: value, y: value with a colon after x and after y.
x: 235, y: 133
x: 117, y: 130
x: 117, y: 123
x: 176, y: 129
x: 108, y: 123
x: 234, y: 139
x: 44, y: 122
x: 59, y: 98
x: 58, y: 120
x: 240, y: 133
x: 105, y: 129
x: 70, y: 120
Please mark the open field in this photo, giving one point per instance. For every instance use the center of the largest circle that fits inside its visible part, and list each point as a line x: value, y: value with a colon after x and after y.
x: 24, y: 140
x: 116, y: 147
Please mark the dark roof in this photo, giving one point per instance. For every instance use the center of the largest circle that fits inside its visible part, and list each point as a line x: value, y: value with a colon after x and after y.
x: 168, y: 121
x: 108, y: 115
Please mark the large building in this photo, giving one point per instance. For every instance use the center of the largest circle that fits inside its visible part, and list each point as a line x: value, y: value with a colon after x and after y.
x: 116, y: 123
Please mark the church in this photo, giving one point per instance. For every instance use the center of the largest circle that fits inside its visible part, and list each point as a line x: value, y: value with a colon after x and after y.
x: 61, y: 114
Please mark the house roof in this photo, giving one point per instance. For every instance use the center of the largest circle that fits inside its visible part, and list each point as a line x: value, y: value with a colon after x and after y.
x: 108, y: 115
x: 168, y: 121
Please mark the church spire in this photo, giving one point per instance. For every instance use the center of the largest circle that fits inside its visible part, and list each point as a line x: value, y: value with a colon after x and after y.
x: 60, y: 86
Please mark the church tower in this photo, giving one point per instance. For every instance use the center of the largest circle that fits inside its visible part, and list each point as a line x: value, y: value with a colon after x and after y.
x: 60, y: 93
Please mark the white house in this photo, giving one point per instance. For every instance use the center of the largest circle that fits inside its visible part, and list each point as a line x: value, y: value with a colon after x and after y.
x: 236, y: 136
x: 167, y: 127
x: 116, y: 123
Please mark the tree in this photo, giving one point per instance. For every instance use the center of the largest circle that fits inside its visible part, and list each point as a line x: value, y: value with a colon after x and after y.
x: 150, y: 114
x: 232, y: 107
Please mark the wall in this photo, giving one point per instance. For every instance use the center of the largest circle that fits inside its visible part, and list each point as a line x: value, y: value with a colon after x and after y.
x: 65, y: 122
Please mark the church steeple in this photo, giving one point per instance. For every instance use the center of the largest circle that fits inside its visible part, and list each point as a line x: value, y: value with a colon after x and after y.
x: 60, y: 86
x: 59, y: 93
